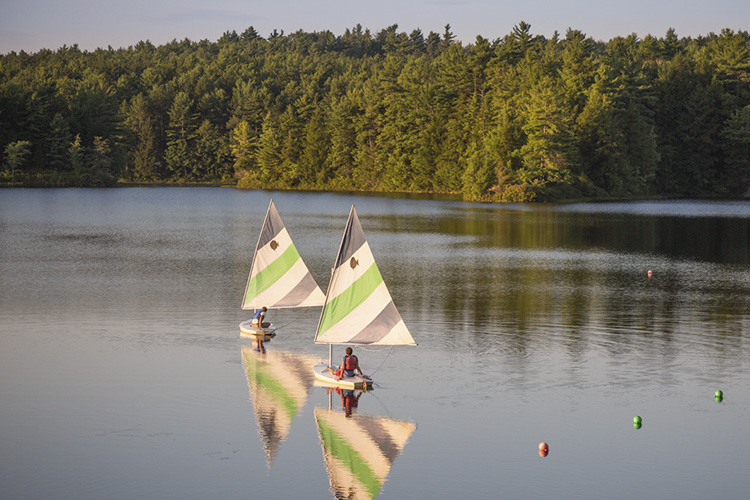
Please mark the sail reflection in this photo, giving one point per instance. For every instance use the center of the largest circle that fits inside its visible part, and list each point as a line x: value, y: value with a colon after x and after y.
x: 279, y: 384
x: 359, y: 450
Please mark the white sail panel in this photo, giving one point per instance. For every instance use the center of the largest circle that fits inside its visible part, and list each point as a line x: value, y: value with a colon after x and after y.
x: 360, y: 317
x: 272, y: 250
x: 276, y: 293
x: 350, y: 271
x: 278, y: 275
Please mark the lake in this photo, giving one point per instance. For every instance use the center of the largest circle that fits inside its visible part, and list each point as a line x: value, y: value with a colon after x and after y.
x: 123, y: 375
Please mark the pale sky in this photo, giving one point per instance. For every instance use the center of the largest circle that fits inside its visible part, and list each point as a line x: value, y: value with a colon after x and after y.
x: 31, y: 25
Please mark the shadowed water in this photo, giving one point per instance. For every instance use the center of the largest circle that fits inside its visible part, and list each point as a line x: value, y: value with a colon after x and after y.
x: 122, y: 373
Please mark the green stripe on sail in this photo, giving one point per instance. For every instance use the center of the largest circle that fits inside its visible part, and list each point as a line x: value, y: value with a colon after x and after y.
x: 274, y: 387
x: 338, y: 308
x: 272, y: 273
x: 340, y: 449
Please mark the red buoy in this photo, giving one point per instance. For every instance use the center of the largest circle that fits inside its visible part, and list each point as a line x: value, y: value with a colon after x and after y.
x: 543, y: 449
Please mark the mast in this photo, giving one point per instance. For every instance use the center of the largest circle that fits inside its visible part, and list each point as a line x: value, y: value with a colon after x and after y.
x: 328, y: 291
x: 255, y: 254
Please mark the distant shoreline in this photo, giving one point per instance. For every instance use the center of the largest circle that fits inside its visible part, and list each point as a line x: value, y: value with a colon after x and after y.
x: 385, y: 194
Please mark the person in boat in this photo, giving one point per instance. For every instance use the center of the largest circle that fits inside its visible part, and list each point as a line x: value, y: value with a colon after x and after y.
x: 258, y: 318
x: 349, y: 367
x: 258, y: 322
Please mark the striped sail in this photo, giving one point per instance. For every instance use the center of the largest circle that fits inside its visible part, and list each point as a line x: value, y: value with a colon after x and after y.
x: 279, y: 385
x: 358, y: 307
x: 278, y: 276
x: 359, y: 451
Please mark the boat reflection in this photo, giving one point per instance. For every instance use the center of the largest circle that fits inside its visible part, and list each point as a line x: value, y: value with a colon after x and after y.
x: 359, y: 450
x: 280, y: 383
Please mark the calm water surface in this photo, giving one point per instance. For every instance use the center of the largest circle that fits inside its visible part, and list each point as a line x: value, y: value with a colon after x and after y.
x: 122, y: 373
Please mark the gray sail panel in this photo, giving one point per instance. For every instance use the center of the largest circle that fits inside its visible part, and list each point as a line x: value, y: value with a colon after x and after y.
x: 353, y: 238
x: 379, y: 327
x: 299, y: 293
x: 273, y: 226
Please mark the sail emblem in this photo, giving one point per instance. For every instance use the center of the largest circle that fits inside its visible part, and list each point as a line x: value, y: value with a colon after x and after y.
x: 274, y: 245
x: 354, y: 263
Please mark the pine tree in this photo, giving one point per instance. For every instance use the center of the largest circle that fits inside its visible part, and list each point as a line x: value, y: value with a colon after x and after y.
x: 671, y: 44
x: 145, y: 164
x: 343, y: 117
x: 212, y: 155
x: 77, y: 158
x: 314, y: 171
x: 736, y: 135
x: 57, y: 144
x: 16, y: 154
x: 549, y: 154
x: 101, y: 162
x: 242, y: 146
x: 180, y: 137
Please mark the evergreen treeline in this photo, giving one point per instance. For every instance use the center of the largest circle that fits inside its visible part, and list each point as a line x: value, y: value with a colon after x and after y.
x: 522, y: 117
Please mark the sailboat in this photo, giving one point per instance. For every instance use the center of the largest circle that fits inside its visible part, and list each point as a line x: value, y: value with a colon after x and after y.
x: 359, y: 451
x: 278, y: 276
x: 279, y: 383
x: 358, y: 308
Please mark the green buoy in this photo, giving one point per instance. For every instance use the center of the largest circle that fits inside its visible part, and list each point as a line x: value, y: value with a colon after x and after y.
x: 637, y: 422
x: 718, y: 394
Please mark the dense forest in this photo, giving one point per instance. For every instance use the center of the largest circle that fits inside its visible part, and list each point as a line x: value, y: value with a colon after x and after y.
x: 519, y: 118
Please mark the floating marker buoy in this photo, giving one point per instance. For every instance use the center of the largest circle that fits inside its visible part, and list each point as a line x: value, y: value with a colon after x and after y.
x: 543, y: 449
x: 649, y: 273
x: 637, y: 426
x: 637, y: 421
x: 718, y: 394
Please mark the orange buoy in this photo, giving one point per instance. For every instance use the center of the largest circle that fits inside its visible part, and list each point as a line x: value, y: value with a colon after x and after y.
x: 649, y: 273
x: 543, y: 449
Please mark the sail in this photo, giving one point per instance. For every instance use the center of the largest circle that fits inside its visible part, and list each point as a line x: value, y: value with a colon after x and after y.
x: 358, y: 307
x: 278, y: 276
x: 359, y: 451
x: 279, y: 385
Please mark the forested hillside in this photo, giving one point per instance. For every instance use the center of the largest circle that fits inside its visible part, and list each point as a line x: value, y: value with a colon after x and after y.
x: 522, y: 117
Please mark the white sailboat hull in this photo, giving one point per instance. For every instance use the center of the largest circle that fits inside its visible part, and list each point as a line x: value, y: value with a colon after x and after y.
x: 248, y: 330
x: 325, y: 377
